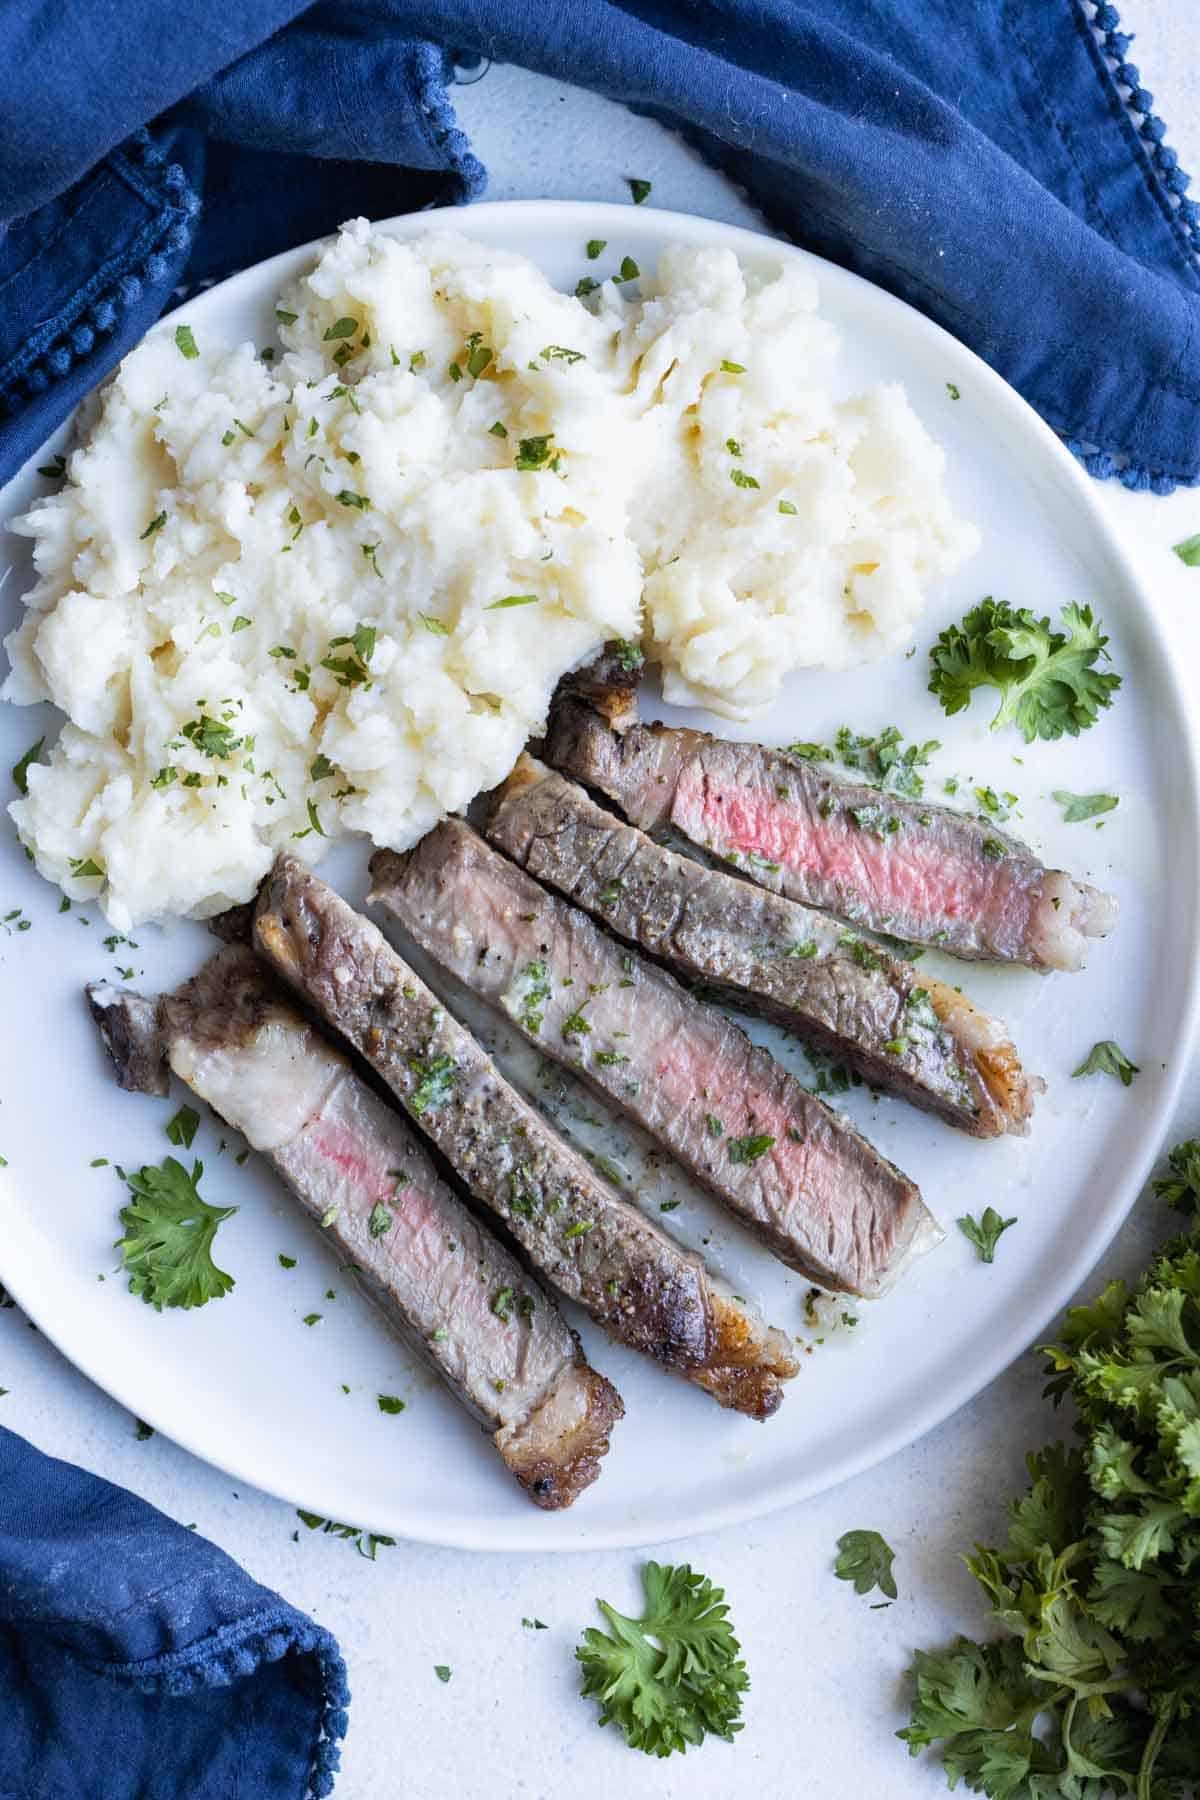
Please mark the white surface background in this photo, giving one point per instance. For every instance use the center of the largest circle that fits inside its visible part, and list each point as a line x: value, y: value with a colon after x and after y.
x: 827, y: 1673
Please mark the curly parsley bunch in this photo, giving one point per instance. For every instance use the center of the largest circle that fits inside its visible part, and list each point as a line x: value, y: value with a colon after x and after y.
x: 1095, y: 1688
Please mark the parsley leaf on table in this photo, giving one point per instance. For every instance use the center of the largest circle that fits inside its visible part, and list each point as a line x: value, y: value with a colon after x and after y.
x: 866, y: 1559
x: 1047, y: 679
x: 673, y: 1675
x: 169, y: 1232
x: 984, y: 1232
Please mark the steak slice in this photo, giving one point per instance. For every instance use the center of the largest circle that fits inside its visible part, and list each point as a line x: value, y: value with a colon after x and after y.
x: 643, y: 1287
x: 874, y: 1013
x: 906, y: 867
x: 441, y: 1280
x: 792, y: 1169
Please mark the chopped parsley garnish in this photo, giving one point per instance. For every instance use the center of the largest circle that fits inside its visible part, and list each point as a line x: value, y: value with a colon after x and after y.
x: 381, y: 1220
x: 535, y: 992
x: 749, y: 1149
x: 953, y: 391
x: 585, y: 286
x: 156, y: 524
x: 1188, y: 551
x: 559, y: 353
x: 639, y: 189
x: 497, y: 429
x: 732, y: 368
x: 630, y: 656
x: 785, y: 506
x: 313, y: 1318
x: 1047, y: 680
x: 896, y: 1046
x: 241, y: 623
x: 714, y: 1125
x: 366, y: 1543
x: 1107, y: 1058
x: 596, y: 247
x: 142, y: 1431
x: 389, y: 1403
x: 608, y: 1059
x: 876, y: 820
x: 610, y: 894
x: 740, y: 479
x: 185, y: 343
x: 183, y: 1127
x: 347, y: 497
x: 20, y: 770
x: 984, y: 1232
x: 441, y: 1671
x: 211, y: 737
x: 511, y: 600
x: 436, y: 626
x: 534, y: 452
x: 86, y: 868
x: 673, y: 1675
x: 284, y: 317
x: 435, y: 1083
x: 580, y: 1228
x: 169, y: 1232
x: 866, y: 1559
x: 1078, y: 807
x: 802, y: 950
x: 225, y: 599
x: 993, y: 849
x: 55, y: 470
x: 575, y: 1026
x: 861, y: 952
x: 320, y: 768
x: 314, y: 823
x: 629, y: 269
x: 502, y: 1304
x: 733, y: 447
x: 479, y: 355
x: 286, y: 1262
x: 341, y: 328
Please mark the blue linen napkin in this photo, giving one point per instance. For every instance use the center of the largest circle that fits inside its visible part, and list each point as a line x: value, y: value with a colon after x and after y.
x: 137, y: 1662
x: 998, y: 166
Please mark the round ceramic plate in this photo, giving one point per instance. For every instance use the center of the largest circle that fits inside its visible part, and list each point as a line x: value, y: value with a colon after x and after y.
x: 246, y: 1384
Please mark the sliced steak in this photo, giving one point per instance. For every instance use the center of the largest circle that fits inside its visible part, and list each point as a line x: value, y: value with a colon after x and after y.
x: 871, y: 1011
x: 443, y: 1282
x: 792, y: 1169
x: 905, y: 867
x: 643, y: 1287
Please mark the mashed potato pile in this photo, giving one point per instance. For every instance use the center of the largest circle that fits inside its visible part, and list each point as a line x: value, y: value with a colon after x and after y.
x: 278, y: 601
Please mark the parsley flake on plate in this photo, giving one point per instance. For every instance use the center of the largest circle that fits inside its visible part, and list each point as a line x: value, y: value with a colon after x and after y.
x: 182, y: 1128
x: 1078, y: 807
x: 984, y: 1232
x: 1107, y: 1058
x: 389, y: 1403
x: 1188, y: 551
x: 442, y: 1671
x: 185, y: 343
x: 672, y: 1676
x: 866, y: 1559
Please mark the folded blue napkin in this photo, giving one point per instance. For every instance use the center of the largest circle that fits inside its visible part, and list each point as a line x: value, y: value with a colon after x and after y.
x: 999, y: 167
x: 137, y: 1662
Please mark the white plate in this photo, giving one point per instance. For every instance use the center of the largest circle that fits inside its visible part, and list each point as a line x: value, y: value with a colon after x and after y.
x: 245, y: 1384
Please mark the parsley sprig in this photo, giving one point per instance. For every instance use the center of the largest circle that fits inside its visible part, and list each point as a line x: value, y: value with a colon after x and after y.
x: 673, y: 1675
x: 1047, y: 679
x: 169, y: 1232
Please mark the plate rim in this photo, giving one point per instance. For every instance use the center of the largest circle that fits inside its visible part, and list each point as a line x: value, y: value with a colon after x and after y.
x: 519, y: 1535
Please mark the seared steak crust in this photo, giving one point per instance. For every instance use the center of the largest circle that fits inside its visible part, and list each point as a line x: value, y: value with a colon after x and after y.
x: 870, y: 1010
x: 790, y: 1168
x: 906, y: 867
x: 358, y: 1170
x: 644, y: 1288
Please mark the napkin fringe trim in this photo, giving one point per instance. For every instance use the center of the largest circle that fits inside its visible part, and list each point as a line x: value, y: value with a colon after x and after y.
x: 430, y: 69
x: 95, y: 309
x: 234, y: 1651
x: 1183, y: 213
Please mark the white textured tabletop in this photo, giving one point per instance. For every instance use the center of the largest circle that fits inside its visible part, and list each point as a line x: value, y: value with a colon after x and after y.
x: 827, y: 1673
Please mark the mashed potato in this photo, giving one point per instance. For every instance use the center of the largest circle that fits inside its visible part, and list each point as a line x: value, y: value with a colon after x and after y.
x: 278, y: 602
